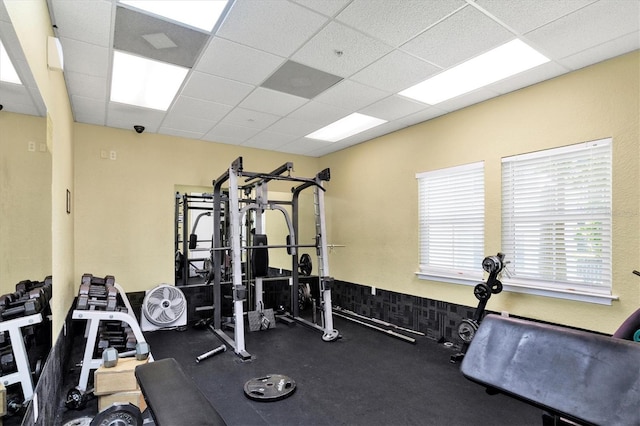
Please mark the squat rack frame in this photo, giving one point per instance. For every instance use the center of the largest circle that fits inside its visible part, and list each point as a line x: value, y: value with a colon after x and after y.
x: 236, y: 208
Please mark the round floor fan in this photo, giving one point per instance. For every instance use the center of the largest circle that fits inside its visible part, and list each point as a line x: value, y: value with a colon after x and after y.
x: 163, y: 307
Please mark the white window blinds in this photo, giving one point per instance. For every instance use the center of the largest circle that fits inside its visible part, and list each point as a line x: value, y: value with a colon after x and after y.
x: 451, y: 215
x: 556, y: 217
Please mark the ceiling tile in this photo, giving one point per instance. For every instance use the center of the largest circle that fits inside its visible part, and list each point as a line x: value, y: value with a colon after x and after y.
x: 216, y: 89
x: 247, y: 118
x: 126, y: 116
x: 461, y: 36
x: 339, y: 50
x: 303, y: 146
x: 300, y: 80
x: 187, y: 123
x: 237, y: 62
x: 268, y: 140
x: 395, y: 72
x: 85, y: 58
x: 296, y: 128
x: 588, y: 27
x: 275, y: 26
x: 272, y: 102
x: 351, y: 95
x: 199, y: 108
x: 524, y: 79
x: 132, y: 26
x: 326, y: 7
x: 86, y: 21
x: 603, y: 51
x: 467, y: 99
x: 526, y: 15
x: 87, y: 86
x: 230, y: 134
x: 180, y: 133
x: 393, y: 107
x: 16, y: 98
x: 89, y: 110
x: 319, y: 113
x: 394, y: 22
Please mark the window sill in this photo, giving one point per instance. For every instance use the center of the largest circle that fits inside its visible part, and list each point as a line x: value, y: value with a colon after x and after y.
x: 518, y: 287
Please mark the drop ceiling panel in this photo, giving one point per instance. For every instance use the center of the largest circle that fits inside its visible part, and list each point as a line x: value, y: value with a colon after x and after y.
x: 89, y: 22
x: 125, y: 117
x: 88, y: 110
x: 294, y: 128
x: 16, y: 98
x: 598, y: 53
x: 272, y: 102
x: 234, y: 61
x: 588, y: 27
x: 268, y: 140
x: 216, y: 89
x: 351, y: 95
x: 526, y: 15
x: 199, y: 108
x: 180, y: 133
x: 326, y: 7
x: 131, y: 28
x: 468, y: 99
x: 339, y: 50
x: 396, y: 23
x: 188, y: 124
x: 393, y: 107
x: 461, y: 36
x: 543, y: 72
x: 85, y: 58
x: 395, y: 72
x: 247, y: 118
x: 87, y: 86
x: 319, y: 113
x: 302, y: 145
x: 300, y: 80
x: 275, y: 26
x: 230, y: 134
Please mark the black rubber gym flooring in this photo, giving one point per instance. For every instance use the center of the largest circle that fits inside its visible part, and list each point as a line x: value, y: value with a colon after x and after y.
x: 365, y: 378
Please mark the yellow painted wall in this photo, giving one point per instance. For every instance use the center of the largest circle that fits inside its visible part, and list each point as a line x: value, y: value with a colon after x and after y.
x: 25, y: 210
x: 125, y: 207
x: 30, y: 19
x: 372, y: 204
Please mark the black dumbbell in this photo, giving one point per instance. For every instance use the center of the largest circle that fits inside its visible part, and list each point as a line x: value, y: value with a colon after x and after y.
x: 85, y: 303
x: 29, y: 307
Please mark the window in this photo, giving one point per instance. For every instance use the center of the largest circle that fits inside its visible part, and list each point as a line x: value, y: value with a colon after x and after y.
x: 556, y: 218
x: 451, y: 228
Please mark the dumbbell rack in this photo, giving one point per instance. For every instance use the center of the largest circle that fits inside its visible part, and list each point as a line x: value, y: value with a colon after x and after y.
x: 93, y: 318
x: 23, y: 373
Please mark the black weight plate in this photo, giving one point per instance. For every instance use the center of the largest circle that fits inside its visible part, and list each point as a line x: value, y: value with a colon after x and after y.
x: 482, y: 291
x: 496, y: 287
x: 272, y: 387
x: 119, y: 415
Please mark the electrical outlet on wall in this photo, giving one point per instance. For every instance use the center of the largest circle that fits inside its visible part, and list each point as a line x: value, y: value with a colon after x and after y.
x: 31, y: 146
x: 112, y: 155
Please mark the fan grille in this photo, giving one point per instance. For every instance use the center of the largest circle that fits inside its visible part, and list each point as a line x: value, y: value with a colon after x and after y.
x: 163, y: 305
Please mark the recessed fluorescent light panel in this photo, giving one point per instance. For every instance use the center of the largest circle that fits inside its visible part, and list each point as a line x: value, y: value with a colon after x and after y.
x: 143, y: 82
x: 345, y: 127
x: 504, y: 61
x: 7, y: 71
x: 202, y: 14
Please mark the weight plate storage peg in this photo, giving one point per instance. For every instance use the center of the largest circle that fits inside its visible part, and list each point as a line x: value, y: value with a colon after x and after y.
x: 272, y: 387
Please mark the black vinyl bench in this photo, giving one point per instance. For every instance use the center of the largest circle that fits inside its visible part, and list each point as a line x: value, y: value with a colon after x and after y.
x: 172, y: 397
x: 576, y: 375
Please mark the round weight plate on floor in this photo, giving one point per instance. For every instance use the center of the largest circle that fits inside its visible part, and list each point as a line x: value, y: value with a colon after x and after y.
x: 272, y: 387
x: 81, y: 421
x: 118, y: 415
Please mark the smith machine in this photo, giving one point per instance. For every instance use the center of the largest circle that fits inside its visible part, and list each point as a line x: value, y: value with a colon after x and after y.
x: 230, y: 209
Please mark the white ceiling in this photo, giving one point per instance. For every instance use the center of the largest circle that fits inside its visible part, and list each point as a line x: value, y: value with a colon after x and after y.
x: 386, y: 45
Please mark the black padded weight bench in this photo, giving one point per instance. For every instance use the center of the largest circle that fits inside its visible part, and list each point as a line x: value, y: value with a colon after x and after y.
x: 172, y: 397
x: 575, y: 375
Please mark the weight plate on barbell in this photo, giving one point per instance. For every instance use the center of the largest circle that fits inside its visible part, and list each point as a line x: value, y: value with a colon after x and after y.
x: 496, y: 287
x: 272, y: 387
